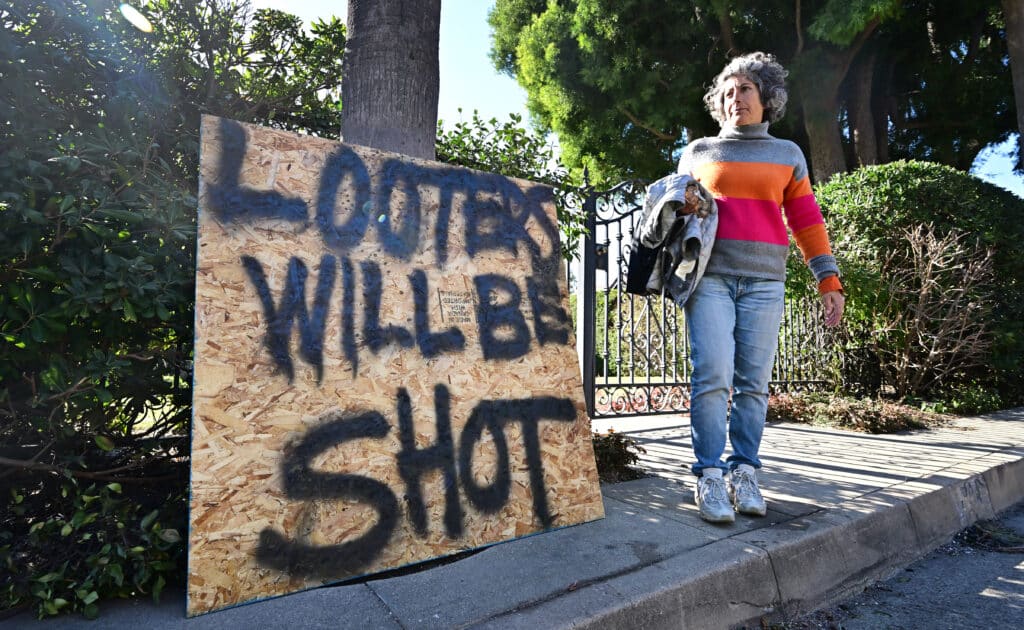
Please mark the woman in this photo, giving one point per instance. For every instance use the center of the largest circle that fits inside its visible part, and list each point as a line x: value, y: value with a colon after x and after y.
x: 734, y: 313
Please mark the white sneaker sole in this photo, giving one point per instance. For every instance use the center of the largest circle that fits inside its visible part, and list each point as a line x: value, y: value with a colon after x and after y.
x: 729, y: 517
x: 725, y: 518
x: 752, y: 511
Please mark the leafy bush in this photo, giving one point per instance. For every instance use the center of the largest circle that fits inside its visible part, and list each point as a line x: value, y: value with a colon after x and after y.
x: 93, y: 544
x: 928, y: 254
x: 616, y: 454
x: 98, y: 179
x: 509, y: 149
x: 966, y: 399
x: 869, y: 415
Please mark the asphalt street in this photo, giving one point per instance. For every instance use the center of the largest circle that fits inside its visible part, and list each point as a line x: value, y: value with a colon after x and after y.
x: 974, y: 581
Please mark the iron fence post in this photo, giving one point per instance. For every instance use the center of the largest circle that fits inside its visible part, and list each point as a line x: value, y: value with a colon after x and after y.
x: 586, y: 301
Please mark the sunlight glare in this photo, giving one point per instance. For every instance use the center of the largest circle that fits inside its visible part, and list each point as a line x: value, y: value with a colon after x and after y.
x: 136, y: 19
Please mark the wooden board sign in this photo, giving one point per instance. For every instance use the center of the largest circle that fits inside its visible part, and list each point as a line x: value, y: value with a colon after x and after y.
x: 385, y: 369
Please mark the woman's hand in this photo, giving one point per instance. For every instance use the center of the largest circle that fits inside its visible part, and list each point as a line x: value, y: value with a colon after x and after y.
x: 833, y: 301
x: 693, y: 201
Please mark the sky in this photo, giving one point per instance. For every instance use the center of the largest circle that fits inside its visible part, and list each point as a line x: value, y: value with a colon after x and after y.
x: 469, y: 81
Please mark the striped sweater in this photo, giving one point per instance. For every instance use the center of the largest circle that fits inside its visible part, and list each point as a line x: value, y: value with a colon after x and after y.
x: 754, y: 177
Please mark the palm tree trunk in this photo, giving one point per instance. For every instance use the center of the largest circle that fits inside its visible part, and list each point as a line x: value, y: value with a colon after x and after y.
x: 390, y: 75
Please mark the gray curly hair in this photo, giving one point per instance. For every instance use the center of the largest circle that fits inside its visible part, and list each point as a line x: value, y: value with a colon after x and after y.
x: 767, y: 74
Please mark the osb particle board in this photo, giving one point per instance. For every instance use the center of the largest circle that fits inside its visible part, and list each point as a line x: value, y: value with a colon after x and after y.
x: 385, y: 369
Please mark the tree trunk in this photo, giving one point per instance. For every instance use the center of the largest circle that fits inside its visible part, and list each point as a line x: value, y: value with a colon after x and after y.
x: 881, y: 105
x: 390, y: 75
x: 823, y: 135
x: 821, y: 74
x: 862, y: 120
x: 1013, y: 13
x: 820, y: 103
x: 822, y: 71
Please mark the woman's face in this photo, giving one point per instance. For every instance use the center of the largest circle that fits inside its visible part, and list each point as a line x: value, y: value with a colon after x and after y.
x: 742, y: 101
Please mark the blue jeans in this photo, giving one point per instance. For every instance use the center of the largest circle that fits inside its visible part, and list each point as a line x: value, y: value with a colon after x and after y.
x: 733, y: 325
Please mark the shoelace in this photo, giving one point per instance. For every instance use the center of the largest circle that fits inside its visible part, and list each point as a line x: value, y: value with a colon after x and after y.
x: 714, y: 491
x: 745, y: 484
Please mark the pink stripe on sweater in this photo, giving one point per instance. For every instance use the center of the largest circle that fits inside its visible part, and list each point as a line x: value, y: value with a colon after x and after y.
x: 751, y: 220
x: 802, y: 212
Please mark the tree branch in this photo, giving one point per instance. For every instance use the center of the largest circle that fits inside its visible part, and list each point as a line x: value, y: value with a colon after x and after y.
x: 35, y: 458
x: 851, y: 52
x: 100, y: 475
x: 660, y: 135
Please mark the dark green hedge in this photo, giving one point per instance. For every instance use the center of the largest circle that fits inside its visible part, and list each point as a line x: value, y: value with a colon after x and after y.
x: 868, y: 212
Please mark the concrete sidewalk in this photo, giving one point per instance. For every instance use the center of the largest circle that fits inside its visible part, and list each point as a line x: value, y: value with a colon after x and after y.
x: 845, y: 509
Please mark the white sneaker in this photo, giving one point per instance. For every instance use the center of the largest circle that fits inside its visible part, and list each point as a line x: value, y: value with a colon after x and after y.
x: 712, y: 498
x: 743, y: 491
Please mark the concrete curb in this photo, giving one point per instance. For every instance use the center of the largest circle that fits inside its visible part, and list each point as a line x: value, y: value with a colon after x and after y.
x: 874, y: 545
x: 722, y: 581
x: 780, y: 572
x: 817, y: 560
x: 1005, y: 484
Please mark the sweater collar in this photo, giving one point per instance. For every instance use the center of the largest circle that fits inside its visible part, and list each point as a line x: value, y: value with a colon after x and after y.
x: 745, y: 132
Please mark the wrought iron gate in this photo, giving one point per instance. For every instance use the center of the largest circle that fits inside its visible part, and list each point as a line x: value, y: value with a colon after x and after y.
x: 634, y: 352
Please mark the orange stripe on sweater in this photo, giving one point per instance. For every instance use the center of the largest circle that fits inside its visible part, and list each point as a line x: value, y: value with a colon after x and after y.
x: 798, y: 188
x: 812, y: 241
x: 745, y: 180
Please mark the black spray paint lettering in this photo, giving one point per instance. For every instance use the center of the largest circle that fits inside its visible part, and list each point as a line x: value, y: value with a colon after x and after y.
x: 348, y: 316
x: 551, y: 322
x: 498, y: 216
x: 494, y: 414
x: 377, y: 337
x: 293, y: 306
x: 496, y: 209
x: 431, y: 344
x: 304, y: 483
x: 414, y: 462
x: 230, y: 201
x: 503, y: 330
x: 496, y: 212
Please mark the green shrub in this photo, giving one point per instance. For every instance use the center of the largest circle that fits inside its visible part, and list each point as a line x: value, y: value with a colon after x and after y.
x: 98, y: 188
x: 94, y: 543
x: 511, y: 150
x: 890, y: 224
x: 967, y: 399
x: 868, y: 415
x: 616, y: 454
